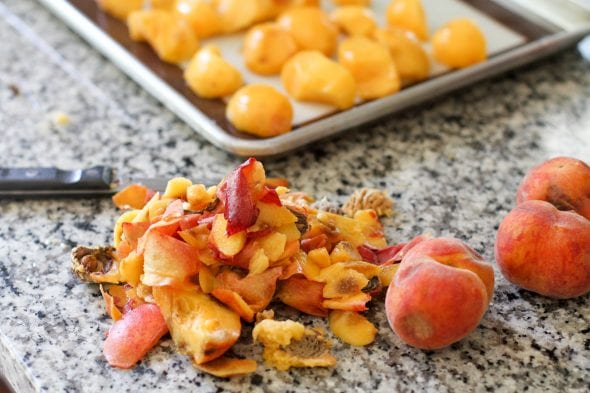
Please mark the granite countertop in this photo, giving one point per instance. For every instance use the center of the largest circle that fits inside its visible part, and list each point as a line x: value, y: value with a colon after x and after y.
x: 452, y: 167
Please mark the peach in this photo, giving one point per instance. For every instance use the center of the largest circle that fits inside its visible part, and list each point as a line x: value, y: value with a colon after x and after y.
x: 439, y: 294
x: 561, y: 181
x: 545, y: 250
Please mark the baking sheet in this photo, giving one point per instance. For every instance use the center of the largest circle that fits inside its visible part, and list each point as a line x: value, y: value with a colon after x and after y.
x: 513, y: 38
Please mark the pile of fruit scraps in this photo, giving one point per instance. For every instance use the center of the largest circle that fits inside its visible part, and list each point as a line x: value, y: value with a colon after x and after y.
x: 198, y: 262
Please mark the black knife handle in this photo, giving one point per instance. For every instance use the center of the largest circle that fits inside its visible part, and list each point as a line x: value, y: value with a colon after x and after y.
x: 40, y: 179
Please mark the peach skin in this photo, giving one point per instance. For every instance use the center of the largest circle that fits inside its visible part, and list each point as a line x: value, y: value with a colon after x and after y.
x: 439, y: 294
x: 561, y: 181
x: 545, y: 250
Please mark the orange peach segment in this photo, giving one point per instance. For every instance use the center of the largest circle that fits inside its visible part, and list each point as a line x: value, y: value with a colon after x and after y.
x: 354, y: 20
x: 128, y: 216
x: 131, y: 268
x: 320, y: 257
x: 303, y: 295
x: 201, y: 16
x: 411, y: 60
x: 227, y: 245
x: 311, y: 28
x: 352, y: 328
x: 169, y: 35
x: 562, y: 181
x: 209, y: 75
x: 260, y: 110
x: 458, y: 44
x: 161, y: 4
x: 344, y: 252
x: 267, y: 47
x: 352, y: 2
x: 131, y: 337
x: 290, y: 231
x: 200, y: 326
x: 235, y: 302
x: 110, y: 302
x: 408, y: 15
x: 256, y: 290
x: 225, y: 367
x: 236, y: 15
x: 120, y: 9
x: 274, y: 215
x: 198, y: 197
x: 168, y: 261
x: 355, y: 302
x: 258, y: 263
x: 311, y: 76
x: 371, y: 65
x: 207, y: 281
x: 273, y: 245
x: 176, y: 188
x: 545, y: 250
x: 134, y: 196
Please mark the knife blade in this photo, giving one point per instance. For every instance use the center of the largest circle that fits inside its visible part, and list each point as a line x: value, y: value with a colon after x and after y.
x: 95, y: 181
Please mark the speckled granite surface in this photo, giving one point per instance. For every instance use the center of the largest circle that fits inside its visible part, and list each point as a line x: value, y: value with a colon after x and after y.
x: 452, y: 167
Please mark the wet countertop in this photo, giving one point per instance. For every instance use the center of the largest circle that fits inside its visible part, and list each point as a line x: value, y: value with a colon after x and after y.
x: 451, y: 166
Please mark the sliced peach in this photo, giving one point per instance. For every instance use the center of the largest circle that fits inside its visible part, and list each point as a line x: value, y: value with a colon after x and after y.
x: 128, y: 216
x: 120, y: 9
x: 273, y: 245
x: 257, y: 290
x: 312, y: 76
x: 227, y: 245
x: 134, y: 196
x: 347, y: 282
x: 169, y: 34
x: 207, y: 280
x: 168, y: 261
x: 235, y: 302
x: 349, y: 303
x: 303, y: 295
x: 110, y: 303
x: 344, y: 252
x: 320, y: 257
x: 199, y: 326
x: 197, y: 236
x: 352, y: 328
x: 258, y: 263
x: 201, y: 16
x: 225, y: 367
x: 273, y: 215
x: 408, y: 15
x: 367, y: 269
x: 132, y: 231
x: 131, y: 268
x: 290, y: 230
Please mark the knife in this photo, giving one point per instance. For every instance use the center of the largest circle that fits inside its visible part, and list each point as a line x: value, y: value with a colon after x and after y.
x: 54, y: 182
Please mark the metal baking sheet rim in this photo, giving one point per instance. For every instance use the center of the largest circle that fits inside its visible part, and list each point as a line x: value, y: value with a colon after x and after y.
x: 319, y: 129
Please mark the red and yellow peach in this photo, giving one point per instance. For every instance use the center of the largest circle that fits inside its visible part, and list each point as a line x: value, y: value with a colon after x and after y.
x: 439, y: 293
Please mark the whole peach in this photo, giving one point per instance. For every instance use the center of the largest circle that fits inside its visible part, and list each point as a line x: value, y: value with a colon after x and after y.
x: 561, y: 181
x: 439, y: 293
x: 545, y: 250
